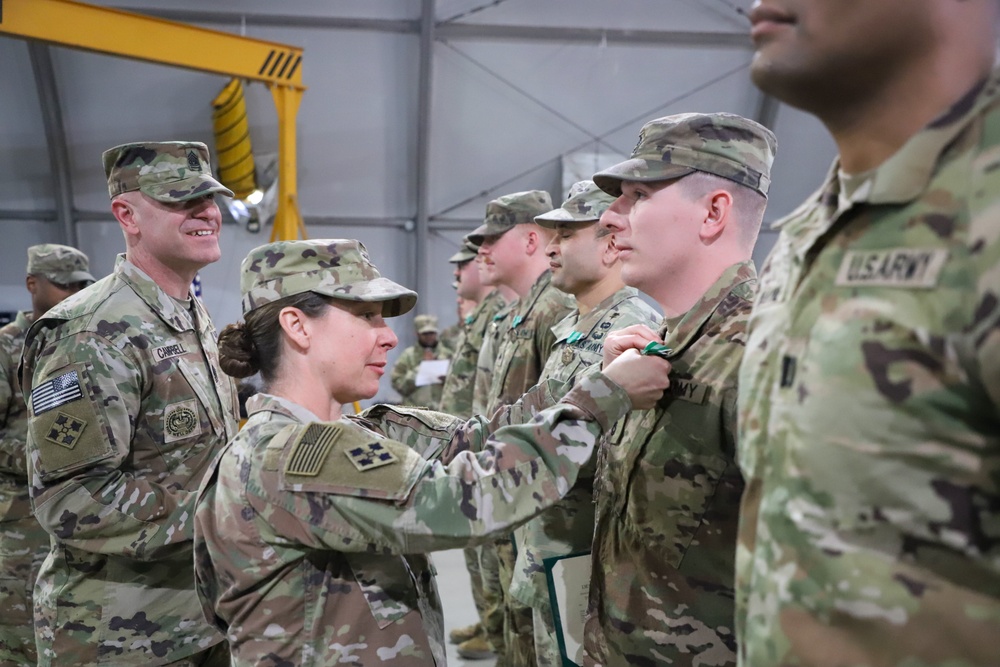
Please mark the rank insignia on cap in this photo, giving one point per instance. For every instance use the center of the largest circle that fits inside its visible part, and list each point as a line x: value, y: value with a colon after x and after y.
x: 57, y: 391
x: 310, y: 450
x: 193, y: 162
x: 66, y: 430
x: 370, y: 456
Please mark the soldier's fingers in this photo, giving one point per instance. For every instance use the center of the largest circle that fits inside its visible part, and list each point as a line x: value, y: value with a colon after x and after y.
x: 618, y: 342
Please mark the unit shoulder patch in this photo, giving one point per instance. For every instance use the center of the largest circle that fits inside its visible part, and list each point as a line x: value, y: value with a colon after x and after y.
x: 376, y: 467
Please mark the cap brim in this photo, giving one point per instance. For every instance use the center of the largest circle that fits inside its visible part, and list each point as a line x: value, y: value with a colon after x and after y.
x: 637, y: 169
x: 477, y: 235
x: 185, y: 189
x: 396, y: 299
x: 461, y: 256
x: 553, y: 219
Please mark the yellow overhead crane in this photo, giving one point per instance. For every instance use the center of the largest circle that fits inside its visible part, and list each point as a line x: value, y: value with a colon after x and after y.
x: 128, y: 35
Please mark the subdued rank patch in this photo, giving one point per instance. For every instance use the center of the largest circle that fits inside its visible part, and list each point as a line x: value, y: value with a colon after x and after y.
x: 310, y: 449
x: 57, y: 391
x: 370, y: 456
x: 180, y: 420
x: 892, y: 267
x: 66, y: 430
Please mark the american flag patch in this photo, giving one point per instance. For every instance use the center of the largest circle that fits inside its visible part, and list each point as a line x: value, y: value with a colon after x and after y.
x: 57, y: 391
x: 310, y: 450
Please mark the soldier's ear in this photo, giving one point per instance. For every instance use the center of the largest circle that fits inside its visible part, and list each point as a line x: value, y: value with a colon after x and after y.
x: 295, y: 324
x: 124, y: 213
x: 32, y: 284
x: 718, y: 213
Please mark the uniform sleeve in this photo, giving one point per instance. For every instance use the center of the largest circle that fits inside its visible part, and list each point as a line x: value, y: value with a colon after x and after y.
x: 12, y: 445
x: 489, y: 482
x: 83, y: 396
x: 404, y: 373
x: 982, y: 342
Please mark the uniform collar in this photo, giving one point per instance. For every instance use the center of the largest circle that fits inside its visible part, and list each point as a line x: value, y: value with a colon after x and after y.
x: 166, y: 308
x: 586, y: 324
x: 908, y: 172
x: 679, y: 332
x: 270, y: 403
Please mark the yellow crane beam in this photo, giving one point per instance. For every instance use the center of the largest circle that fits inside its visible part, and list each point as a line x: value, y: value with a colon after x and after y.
x: 129, y: 35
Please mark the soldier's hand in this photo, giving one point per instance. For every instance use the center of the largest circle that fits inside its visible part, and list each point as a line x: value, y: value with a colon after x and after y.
x: 636, y: 337
x: 644, y: 378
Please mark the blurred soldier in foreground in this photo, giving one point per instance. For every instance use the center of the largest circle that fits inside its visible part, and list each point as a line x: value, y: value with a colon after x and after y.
x: 312, y: 528
x: 584, y: 263
x: 54, y: 273
x: 407, y: 367
x: 870, y: 388
x: 690, y: 204
x: 128, y: 408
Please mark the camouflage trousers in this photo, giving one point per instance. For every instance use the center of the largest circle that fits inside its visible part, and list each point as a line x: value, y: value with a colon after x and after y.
x: 546, y: 644
x: 492, y: 614
x: 476, y: 578
x: 217, y: 656
x: 518, y: 625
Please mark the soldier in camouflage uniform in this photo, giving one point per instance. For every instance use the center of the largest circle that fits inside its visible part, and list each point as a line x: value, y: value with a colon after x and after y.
x: 584, y: 263
x: 516, y: 247
x: 689, y: 208
x: 54, y: 273
x: 127, y: 409
x: 870, y: 387
x: 456, y: 399
x: 311, y: 527
x: 404, y: 373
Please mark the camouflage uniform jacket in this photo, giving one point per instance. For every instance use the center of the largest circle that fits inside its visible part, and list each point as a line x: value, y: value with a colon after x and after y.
x: 525, y: 345
x: 486, y: 361
x: 568, y: 526
x: 456, y: 395
x: 308, y: 553
x: 23, y: 543
x: 404, y: 376
x: 128, y: 408
x: 870, y: 414
x: 667, y: 492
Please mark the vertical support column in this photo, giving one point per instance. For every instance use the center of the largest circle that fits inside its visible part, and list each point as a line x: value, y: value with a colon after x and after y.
x: 55, y: 137
x: 288, y: 220
x: 421, y: 278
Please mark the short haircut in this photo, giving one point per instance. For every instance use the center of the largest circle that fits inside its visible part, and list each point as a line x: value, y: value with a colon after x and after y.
x: 748, y: 204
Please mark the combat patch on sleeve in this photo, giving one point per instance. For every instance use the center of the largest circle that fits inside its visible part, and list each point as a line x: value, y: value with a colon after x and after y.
x: 347, y: 459
x: 65, y: 428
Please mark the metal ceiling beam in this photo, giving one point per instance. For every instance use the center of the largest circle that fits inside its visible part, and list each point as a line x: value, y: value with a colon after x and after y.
x: 460, y: 31
x: 421, y: 281
x: 55, y: 138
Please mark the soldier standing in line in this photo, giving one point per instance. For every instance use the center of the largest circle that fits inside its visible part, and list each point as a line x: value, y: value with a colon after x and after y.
x: 55, y: 272
x: 404, y: 373
x: 456, y: 399
x: 127, y: 409
x: 516, y: 246
x: 312, y: 527
x: 584, y: 263
x: 690, y: 204
x: 870, y: 387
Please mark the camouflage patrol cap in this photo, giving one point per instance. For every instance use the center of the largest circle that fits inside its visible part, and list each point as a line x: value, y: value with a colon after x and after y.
x: 168, y: 171
x: 467, y: 252
x: 339, y: 268
x: 586, y: 203
x: 518, y: 208
x: 60, y: 264
x: 425, y: 324
x: 722, y: 144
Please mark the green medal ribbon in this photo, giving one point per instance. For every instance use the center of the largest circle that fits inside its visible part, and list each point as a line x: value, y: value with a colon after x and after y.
x: 659, y: 349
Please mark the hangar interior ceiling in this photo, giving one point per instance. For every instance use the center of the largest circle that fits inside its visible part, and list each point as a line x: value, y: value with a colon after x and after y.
x: 417, y: 113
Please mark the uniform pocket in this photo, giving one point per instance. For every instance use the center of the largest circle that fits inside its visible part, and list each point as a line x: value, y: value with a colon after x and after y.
x: 387, y: 584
